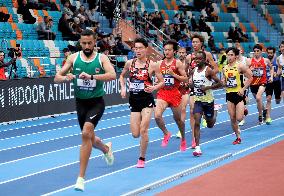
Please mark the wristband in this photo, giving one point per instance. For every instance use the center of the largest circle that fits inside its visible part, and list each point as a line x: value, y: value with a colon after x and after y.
x: 92, y: 77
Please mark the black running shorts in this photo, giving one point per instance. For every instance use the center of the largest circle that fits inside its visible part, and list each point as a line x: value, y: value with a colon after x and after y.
x: 275, y: 87
x: 90, y: 110
x: 234, y: 98
x: 138, y: 102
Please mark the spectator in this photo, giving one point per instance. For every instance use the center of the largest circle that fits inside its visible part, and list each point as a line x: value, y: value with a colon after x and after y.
x: 131, y: 54
x: 67, y: 10
x: 176, y: 19
x: 65, y: 27
x: 233, y: 6
x: 48, y: 5
x: 24, y: 10
x: 103, y: 44
x: 111, y: 40
x: 203, y: 26
x: 3, y: 65
x: 194, y: 24
x: 44, y: 29
x: 4, y: 17
x: 66, y: 53
x: 211, y: 44
x: 185, y: 43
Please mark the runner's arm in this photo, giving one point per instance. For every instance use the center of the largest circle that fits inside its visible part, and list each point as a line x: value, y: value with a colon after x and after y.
x: 211, y: 74
x: 62, y: 75
x: 211, y: 61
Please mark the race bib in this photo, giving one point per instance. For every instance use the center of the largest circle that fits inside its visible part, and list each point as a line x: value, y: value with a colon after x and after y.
x: 257, y: 72
x: 136, y: 85
x: 169, y: 80
x: 231, y: 82
x: 86, y: 84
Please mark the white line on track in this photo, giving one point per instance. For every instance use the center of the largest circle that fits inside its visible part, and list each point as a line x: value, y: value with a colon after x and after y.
x: 117, y: 171
x: 76, y: 162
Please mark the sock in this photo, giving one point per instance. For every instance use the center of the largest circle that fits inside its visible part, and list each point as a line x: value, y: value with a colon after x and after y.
x: 141, y: 158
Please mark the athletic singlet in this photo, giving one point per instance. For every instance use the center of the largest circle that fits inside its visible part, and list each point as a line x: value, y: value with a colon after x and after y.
x: 281, y: 62
x: 185, y: 85
x: 170, y: 81
x: 258, y: 72
x: 275, y: 69
x: 139, y: 78
x: 192, y: 63
x: 232, y: 78
x: 199, y: 79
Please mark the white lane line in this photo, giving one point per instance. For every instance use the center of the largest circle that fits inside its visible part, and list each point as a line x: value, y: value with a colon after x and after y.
x: 75, y: 162
x: 118, y: 171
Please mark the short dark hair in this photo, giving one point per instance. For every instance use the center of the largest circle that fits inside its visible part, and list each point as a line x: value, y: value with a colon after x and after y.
x: 282, y: 43
x: 198, y: 36
x: 257, y: 46
x: 173, y: 43
x: 66, y: 50
x: 89, y: 32
x: 271, y: 48
x: 142, y: 41
x: 203, y: 54
x: 235, y: 50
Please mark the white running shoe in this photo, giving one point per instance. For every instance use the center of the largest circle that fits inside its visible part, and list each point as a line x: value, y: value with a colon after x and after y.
x: 197, y: 152
x: 242, y: 122
x: 79, y: 186
x: 109, y: 158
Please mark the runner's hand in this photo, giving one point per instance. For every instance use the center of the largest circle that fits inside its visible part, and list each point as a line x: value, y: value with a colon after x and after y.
x: 85, y: 76
x: 241, y: 92
x: 123, y: 93
x: 149, y: 89
x: 69, y: 77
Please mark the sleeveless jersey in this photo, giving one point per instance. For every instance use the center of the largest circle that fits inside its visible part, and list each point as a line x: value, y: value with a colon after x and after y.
x: 232, y: 78
x: 275, y: 69
x: 170, y: 81
x: 258, y: 72
x: 139, y: 78
x: 199, y: 79
x: 86, y: 89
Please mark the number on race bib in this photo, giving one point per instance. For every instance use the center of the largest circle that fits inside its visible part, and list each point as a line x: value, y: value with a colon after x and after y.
x: 169, y: 80
x: 231, y: 82
x: 86, y: 84
x: 257, y: 72
x: 136, y: 85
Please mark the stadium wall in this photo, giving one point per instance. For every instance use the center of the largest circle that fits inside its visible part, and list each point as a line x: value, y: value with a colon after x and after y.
x: 30, y: 98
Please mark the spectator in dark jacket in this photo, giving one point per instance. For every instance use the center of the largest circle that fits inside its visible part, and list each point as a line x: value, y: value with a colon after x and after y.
x: 24, y: 10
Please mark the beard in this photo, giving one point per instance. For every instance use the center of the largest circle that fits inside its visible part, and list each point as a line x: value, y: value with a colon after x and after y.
x: 270, y: 57
x: 88, y: 52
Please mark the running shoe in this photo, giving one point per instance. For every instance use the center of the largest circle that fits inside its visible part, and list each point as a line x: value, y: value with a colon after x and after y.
x: 79, y: 186
x: 217, y: 106
x: 178, y: 135
x: 140, y: 164
x: 245, y: 111
x: 204, y: 123
x: 264, y: 112
x: 197, y: 152
x: 183, y: 145
x: 242, y: 122
x: 260, y: 120
x: 193, y: 144
x: 237, y: 141
x: 109, y: 158
x: 268, y: 121
x: 166, y: 139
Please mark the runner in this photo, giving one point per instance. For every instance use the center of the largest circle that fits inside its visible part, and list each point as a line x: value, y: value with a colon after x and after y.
x: 184, y: 87
x: 202, y: 75
x: 90, y: 69
x: 258, y: 66
x: 169, y: 96
x: 244, y: 61
x: 274, y: 86
x: 141, y: 99
x: 235, y: 91
x: 197, y: 43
